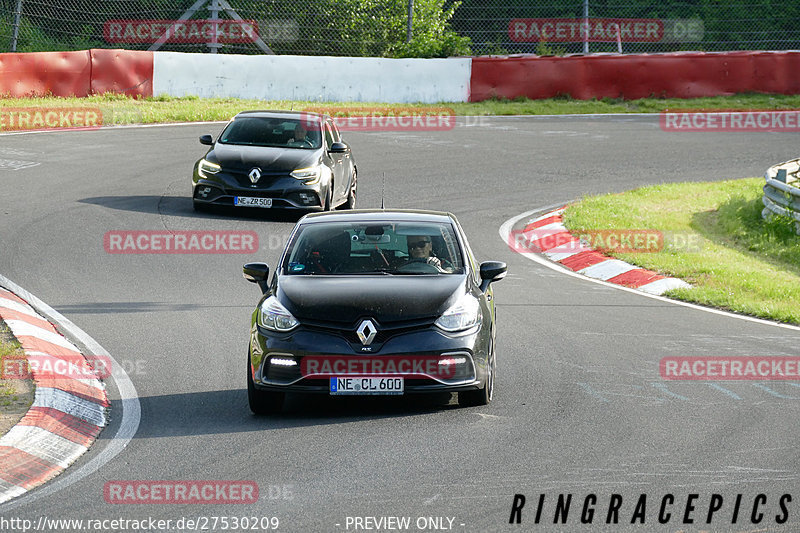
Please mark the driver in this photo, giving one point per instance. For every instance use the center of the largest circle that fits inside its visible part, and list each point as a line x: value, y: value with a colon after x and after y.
x: 300, y: 135
x: 420, y: 249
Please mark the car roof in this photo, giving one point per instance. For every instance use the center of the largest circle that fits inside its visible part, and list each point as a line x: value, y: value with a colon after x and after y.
x: 298, y: 115
x: 379, y: 215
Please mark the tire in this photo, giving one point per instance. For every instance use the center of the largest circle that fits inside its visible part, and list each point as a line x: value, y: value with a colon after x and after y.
x: 200, y: 207
x: 351, y: 196
x: 262, y: 402
x: 327, y: 205
x: 476, y: 398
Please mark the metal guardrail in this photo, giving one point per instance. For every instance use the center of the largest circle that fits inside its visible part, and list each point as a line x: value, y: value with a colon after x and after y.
x: 782, y: 191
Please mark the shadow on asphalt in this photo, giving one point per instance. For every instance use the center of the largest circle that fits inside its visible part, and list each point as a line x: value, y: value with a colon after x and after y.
x: 215, y: 412
x: 182, y: 206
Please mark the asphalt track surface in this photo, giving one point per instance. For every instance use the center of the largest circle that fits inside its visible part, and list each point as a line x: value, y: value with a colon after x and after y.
x: 579, y: 407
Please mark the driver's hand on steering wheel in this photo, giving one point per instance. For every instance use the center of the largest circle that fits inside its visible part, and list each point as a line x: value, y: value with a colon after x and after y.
x: 435, y: 261
x: 441, y: 267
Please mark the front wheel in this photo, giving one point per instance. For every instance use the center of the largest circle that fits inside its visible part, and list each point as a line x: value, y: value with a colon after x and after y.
x: 262, y: 402
x: 475, y: 398
x: 351, y: 196
x: 326, y: 206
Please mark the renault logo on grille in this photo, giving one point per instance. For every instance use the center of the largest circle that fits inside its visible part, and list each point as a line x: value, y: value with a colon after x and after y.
x: 254, y: 175
x: 366, y: 332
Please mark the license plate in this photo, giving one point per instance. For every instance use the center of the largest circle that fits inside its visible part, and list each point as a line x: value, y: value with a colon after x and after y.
x: 249, y: 201
x: 366, y: 386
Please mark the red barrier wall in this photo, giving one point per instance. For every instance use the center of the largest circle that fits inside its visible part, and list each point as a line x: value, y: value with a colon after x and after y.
x: 678, y: 75
x: 76, y: 73
x: 41, y: 73
x: 122, y: 71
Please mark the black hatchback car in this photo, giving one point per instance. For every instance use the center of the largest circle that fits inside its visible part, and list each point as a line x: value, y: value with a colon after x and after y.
x: 373, y: 302
x: 276, y: 159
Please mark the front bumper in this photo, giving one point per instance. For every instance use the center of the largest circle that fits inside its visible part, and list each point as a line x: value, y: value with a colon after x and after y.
x: 434, y: 361
x: 286, y: 192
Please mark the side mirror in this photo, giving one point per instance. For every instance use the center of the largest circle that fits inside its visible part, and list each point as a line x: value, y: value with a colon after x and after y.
x: 492, y: 271
x: 257, y: 273
x: 338, y: 148
x: 207, y: 139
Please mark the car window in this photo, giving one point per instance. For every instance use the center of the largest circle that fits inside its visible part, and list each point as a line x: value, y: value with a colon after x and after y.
x: 337, y: 137
x: 473, y: 263
x: 397, y: 248
x: 276, y: 132
x: 328, y: 135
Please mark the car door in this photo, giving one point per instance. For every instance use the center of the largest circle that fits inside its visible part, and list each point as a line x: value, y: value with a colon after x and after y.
x: 348, y: 168
x: 337, y: 162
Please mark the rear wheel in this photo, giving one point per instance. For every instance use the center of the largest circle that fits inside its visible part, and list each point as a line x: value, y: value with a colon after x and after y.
x: 474, y: 398
x: 262, y: 402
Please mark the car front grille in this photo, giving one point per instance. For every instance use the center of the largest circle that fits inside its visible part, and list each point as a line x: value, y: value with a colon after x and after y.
x: 266, y: 180
x: 386, y: 330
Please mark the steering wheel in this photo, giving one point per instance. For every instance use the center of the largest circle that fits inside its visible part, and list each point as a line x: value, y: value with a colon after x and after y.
x: 418, y: 265
x: 301, y: 143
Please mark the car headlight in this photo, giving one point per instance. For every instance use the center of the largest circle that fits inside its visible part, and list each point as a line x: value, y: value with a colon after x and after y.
x: 462, y: 315
x: 207, y: 167
x: 274, y: 316
x: 311, y: 175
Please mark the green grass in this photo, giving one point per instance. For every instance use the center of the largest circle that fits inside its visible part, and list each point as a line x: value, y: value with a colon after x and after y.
x: 119, y: 109
x: 742, y: 264
x: 8, y: 348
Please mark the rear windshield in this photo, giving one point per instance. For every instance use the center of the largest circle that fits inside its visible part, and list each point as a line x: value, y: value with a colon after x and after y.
x: 277, y: 132
x: 384, y: 248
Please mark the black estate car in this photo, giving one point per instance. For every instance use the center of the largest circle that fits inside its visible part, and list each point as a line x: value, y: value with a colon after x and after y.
x: 276, y: 159
x: 373, y: 302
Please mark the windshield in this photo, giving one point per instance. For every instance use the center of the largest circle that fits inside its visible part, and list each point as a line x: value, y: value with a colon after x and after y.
x: 278, y: 132
x: 385, y: 248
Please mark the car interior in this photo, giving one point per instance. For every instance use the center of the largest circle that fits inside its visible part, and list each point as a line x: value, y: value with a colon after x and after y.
x: 339, y: 250
x: 268, y: 132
